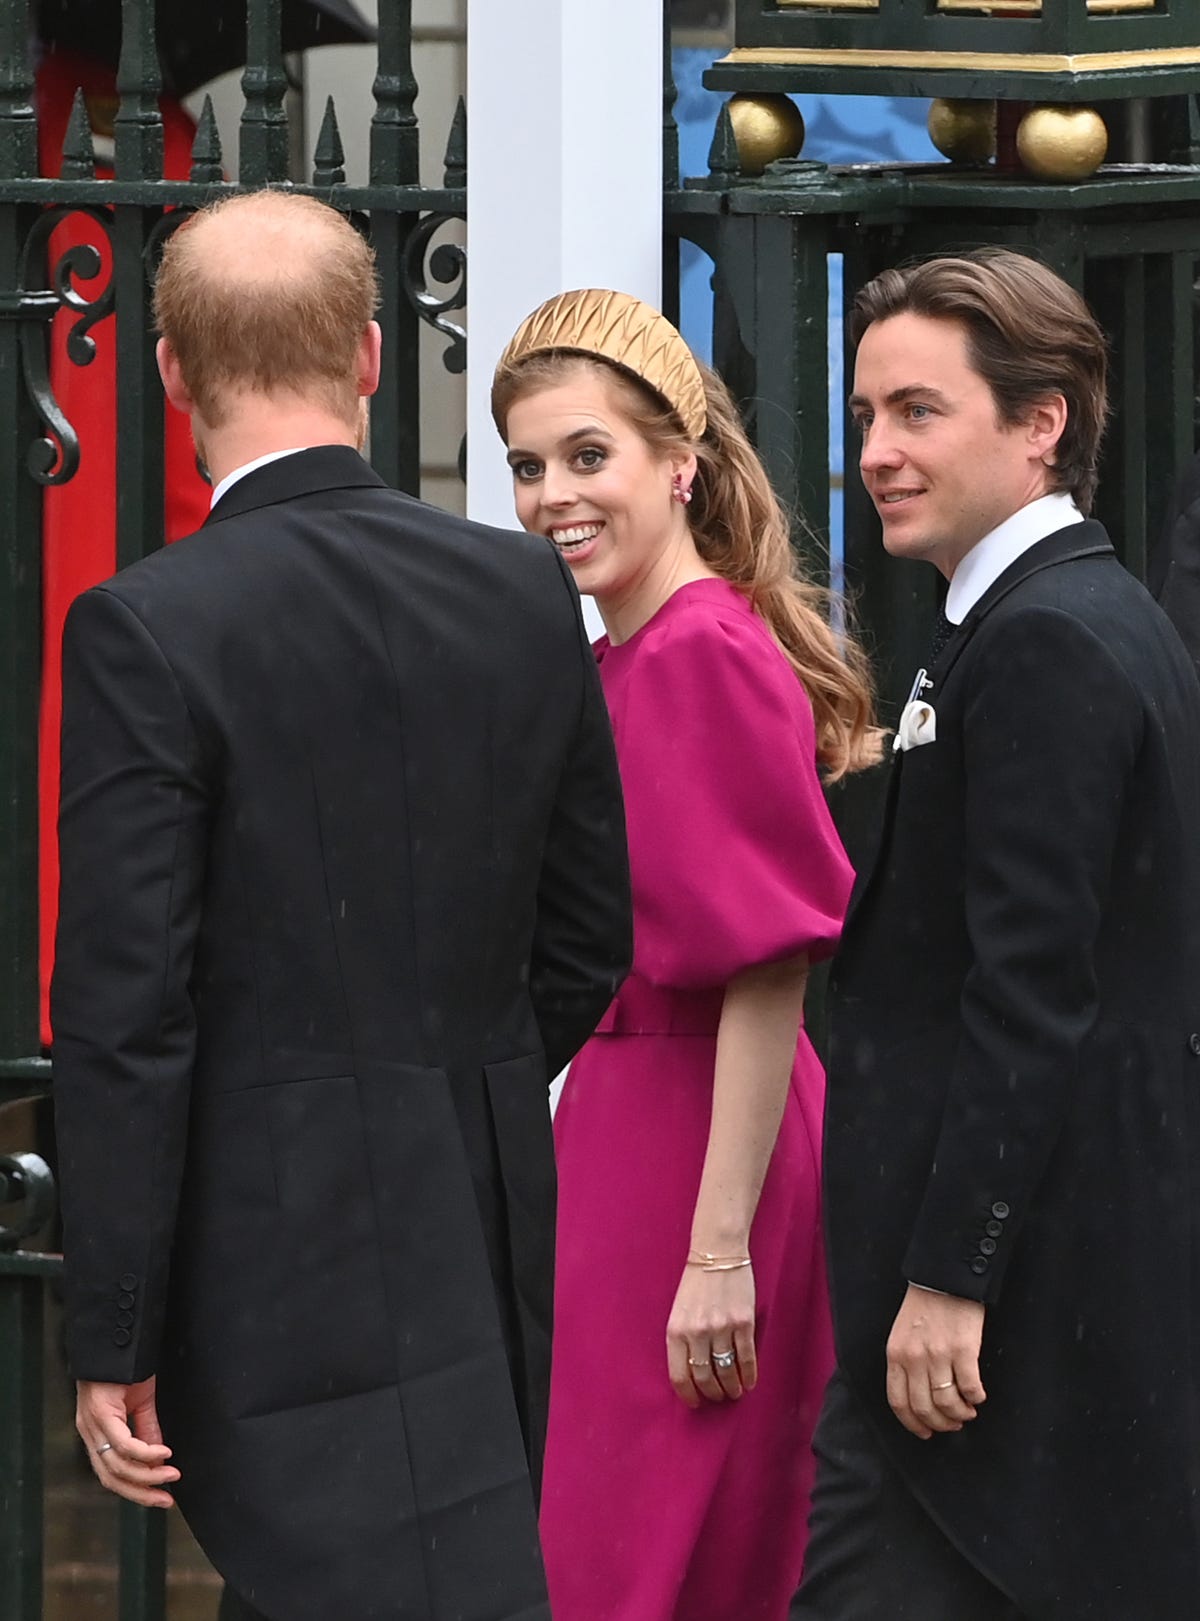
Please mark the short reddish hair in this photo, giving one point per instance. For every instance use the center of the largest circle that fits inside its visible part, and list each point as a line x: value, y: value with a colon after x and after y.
x: 266, y: 292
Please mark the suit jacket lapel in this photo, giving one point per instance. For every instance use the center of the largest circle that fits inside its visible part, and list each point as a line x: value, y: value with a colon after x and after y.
x: 1087, y: 539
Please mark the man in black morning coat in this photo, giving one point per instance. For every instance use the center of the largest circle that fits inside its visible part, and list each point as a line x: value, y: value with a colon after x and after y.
x: 1012, y: 1151
x: 343, y: 881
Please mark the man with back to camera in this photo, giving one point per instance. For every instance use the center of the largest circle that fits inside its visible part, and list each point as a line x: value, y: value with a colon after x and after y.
x: 1013, y: 1126
x: 343, y: 881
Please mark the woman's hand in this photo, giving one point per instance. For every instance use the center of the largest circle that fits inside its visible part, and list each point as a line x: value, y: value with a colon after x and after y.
x: 713, y: 1314
x: 712, y: 1320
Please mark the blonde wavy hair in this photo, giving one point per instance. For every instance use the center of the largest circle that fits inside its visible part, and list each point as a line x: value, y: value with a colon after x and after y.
x: 741, y: 531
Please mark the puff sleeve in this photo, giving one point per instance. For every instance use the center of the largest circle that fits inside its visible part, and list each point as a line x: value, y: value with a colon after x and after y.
x: 734, y: 857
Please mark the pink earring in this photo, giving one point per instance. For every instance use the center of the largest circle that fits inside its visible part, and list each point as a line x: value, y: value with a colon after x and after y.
x: 680, y: 493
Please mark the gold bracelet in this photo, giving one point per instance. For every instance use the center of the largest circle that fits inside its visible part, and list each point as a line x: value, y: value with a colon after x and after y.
x: 716, y: 1263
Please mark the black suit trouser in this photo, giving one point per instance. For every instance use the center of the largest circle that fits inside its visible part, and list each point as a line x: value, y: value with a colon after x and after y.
x: 874, y: 1554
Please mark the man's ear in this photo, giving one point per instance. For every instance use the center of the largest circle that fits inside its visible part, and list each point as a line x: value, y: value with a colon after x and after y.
x: 370, y: 347
x: 176, y: 390
x: 1047, y: 422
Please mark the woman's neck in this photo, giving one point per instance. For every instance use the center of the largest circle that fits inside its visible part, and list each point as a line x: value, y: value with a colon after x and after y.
x: 625, y: 612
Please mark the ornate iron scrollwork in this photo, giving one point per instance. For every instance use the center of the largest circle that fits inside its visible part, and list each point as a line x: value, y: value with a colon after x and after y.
x: 158, y: 237
x: 447, y: 264
x: 54, y: 457
x: 26, y: 1181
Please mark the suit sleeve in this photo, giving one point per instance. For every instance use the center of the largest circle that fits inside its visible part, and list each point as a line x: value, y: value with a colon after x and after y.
x: 132, y: 828
x: 583, y: 938
x: 1052, y: 729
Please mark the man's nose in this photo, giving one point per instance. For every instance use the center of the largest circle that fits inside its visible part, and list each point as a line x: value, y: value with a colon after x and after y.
x: 879, y: 448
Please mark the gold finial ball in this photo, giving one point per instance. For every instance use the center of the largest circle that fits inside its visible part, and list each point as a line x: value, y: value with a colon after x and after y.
x: 765, y: 128
x: 963, y: 131
x: 1062, y: 143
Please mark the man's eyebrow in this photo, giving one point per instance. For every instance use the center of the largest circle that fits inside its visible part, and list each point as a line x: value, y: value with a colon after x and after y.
x: 593, y: 431
x: 924, y: 391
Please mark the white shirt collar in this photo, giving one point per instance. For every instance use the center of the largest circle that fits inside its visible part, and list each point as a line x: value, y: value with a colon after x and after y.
x: 231, y: 479
x: 988, y: 558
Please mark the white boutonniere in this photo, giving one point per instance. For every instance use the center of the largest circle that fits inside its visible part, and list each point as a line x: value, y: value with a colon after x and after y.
x: 918, y: 719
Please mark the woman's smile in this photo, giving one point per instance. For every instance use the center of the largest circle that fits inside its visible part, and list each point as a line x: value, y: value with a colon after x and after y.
x: 575, y: 540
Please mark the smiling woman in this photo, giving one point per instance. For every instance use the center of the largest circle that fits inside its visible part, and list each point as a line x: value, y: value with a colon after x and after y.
x: 688, y: 1136
x: 591, y: 483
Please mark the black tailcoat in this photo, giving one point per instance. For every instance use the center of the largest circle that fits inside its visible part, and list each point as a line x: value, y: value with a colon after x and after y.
x: 1014, y: 1088
x: 343, y: 880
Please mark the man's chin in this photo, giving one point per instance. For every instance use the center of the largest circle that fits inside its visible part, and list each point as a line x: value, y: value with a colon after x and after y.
x: 902, y: 540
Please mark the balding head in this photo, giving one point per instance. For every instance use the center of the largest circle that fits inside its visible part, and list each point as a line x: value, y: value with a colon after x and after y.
x: 267, y: 293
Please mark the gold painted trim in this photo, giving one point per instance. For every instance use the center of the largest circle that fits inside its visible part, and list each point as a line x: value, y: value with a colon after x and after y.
x: 1183, y: 56
x: 1006, y: 8
x: 840, y: 5
x: 1120, y: 5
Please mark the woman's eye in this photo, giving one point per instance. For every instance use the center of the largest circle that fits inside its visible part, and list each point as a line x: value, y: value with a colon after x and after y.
x: 526, y: 472
x: 591, y: 456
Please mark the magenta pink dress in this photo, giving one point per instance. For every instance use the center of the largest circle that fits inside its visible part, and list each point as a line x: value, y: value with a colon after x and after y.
x: 652, y: 1512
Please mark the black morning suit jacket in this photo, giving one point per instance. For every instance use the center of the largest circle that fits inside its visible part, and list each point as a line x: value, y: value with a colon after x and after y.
x: 343, y: 880
x: 1014, y: 1088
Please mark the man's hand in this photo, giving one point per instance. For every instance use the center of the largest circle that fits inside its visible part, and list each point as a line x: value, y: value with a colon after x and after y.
x: 119, y: 1426
x: 933, y: 1362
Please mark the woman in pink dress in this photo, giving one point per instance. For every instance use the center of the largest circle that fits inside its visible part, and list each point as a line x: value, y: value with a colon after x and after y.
x: 677, y: 1475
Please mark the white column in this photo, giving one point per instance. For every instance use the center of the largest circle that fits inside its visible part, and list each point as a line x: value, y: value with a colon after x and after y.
x: 564, y: 176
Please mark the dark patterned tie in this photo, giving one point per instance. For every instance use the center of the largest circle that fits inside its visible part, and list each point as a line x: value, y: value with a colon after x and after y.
x: 942, y: 632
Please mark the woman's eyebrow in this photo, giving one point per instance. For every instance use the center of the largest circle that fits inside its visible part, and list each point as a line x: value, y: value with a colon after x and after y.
x: 593, y: 431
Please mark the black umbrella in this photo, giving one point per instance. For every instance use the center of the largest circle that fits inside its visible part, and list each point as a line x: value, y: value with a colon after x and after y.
x: 197, y: 39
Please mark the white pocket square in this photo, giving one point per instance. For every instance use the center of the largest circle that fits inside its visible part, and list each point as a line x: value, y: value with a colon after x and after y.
x: 918, y: 724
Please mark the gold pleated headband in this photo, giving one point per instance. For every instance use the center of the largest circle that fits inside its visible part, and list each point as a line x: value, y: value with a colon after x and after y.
x: 624, y: 331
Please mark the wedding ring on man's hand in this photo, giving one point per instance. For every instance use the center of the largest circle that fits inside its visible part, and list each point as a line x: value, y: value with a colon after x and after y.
x: 949, y: 1385
x: 106, y: 1446
x: 724, y: 1359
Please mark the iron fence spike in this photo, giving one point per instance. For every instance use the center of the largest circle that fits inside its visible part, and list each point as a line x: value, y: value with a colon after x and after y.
x: 723, y: 158
x: 78, y: 152
x: 207, y: 158
x: 456, y: 149
x: 329, y: 159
